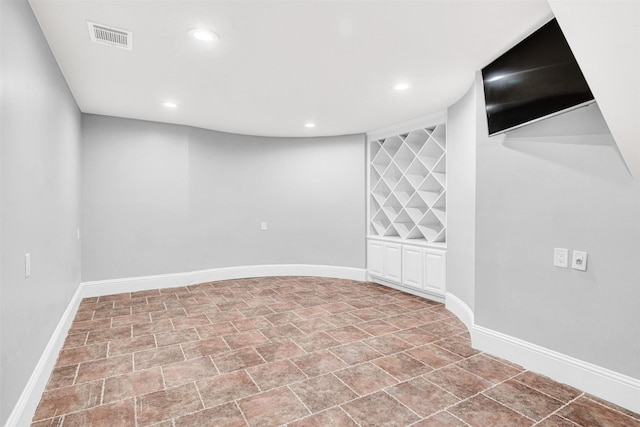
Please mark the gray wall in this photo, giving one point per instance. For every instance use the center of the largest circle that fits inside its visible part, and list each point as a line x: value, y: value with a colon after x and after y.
x: 40, y: 164
x: 160, y: 198
x: 461, y: 198
x: 559, y: 183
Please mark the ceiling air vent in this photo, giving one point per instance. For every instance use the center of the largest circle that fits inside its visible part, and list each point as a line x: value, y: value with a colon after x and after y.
x: 110, y: 36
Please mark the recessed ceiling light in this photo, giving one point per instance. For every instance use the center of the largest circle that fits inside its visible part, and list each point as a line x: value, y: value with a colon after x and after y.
x: 170, y: 104
x: 401, y: 86
x: 309, y: 125
x: 203, y: 35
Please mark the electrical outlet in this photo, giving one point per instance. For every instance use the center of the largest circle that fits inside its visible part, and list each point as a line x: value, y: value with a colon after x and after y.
x: 561, y: 257
x: 579, y: 261
x: 263, y: 226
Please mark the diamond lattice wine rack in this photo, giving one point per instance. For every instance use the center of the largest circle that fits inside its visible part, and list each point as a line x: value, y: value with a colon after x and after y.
x: 408, y: 181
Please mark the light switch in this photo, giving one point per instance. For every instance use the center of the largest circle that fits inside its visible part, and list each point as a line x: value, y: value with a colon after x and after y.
x: 263, y: 226
x: 579, y: 261
x: 561, y: 257
x: 27, y: 265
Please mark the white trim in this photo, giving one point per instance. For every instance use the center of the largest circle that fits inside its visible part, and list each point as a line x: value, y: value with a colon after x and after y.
x: 407, y: 126
x: 604, y: 383
x: 460, y: 309
x: 25, y: 408
x: 143, y: 283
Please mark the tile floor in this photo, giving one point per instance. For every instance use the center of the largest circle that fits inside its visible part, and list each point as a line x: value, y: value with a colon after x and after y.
x: 295, y: 351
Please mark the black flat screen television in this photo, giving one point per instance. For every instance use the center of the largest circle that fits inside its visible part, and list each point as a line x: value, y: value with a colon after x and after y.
x: 536, y: 78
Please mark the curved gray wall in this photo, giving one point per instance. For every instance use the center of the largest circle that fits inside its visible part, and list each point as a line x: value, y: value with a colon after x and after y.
x: 562, y: 183
x: 39, y: 197
x: 160, y: 198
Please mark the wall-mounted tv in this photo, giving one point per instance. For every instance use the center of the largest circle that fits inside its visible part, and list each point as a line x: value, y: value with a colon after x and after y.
x: 536, y: 78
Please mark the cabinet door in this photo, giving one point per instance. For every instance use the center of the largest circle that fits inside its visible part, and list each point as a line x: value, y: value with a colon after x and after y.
x: 412, y: 266
x: 435, y: 268
x: 393, y: 262
x: 375, y: 255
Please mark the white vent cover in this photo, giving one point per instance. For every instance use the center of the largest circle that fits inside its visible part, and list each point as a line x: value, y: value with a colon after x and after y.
x: 110, y: 36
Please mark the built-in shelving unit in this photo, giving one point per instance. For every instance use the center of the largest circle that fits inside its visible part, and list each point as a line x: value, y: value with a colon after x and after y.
x: 407, y: 184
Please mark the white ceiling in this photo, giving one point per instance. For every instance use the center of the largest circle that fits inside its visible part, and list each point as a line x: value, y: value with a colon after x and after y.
x: 281, y: 64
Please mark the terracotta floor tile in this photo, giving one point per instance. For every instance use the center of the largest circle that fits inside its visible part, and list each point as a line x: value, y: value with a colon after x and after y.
x: 379, y: 409
x: 119, y: 414
x: 457, y: 345
x: 322, y: 392
x: 227, y: 415
x: 245, y: 339
x: 524, y: 400
x: 402, y: 366
x: 226, y: 388
x: 166, y: 404
x: 280, y: 350
x: 334, y: 417
x: 388, y: 344
x: 272, y: 408
x: 190, y: 322
x: 103, y: 335
x: 441, y: 419
x: 103, y: 368
x: 216, y: 330
x: 297, y: 351
x: 258, y: 322
x: 90, y: 325
x: 157, y: 326
x: 457, y: 381
x: 75, y: 340
x: 73, y: 356
x: 555, y: 421
x: 188, y: 371
x: 422, y: 396
x: 355, y: 353
x: 176, y: 337
x: 275, y: 374
x: 365, y: 378
x: 378, y: 327
x: 132, y: 384
x: 315, y: 341
x: 206, y: 347
x: 131, y: 345
x: 62, y: 376
x: 416, y: 336
x: 480, y: 411
x: 488, y: 368
x: 282, y: 332
x: 562, y: 392
x: 586, y: 412
x: 130, y: 319
x: 69, y: 399
x: 309, y: 326
x: 443, y: 329
x: 342, y: 319
x: 157, y: 357
x: 318, y: 363
x: 434, y: 356
x: 238, y: 359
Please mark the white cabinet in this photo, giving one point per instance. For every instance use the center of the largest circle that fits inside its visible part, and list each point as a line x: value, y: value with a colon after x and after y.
x: 384, y: 260
x: 418, y: 268
x: 435, y: 270
x: 412, y: 271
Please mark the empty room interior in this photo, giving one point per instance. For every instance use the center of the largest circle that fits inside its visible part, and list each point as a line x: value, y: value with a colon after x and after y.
x: 320, y: 213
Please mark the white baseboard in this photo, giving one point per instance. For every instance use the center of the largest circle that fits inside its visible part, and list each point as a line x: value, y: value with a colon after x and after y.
x: 407, y: 289
x: 460, y: 309
x: 604, y: 383
x: 144, y: 283
x: 27, y: 404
